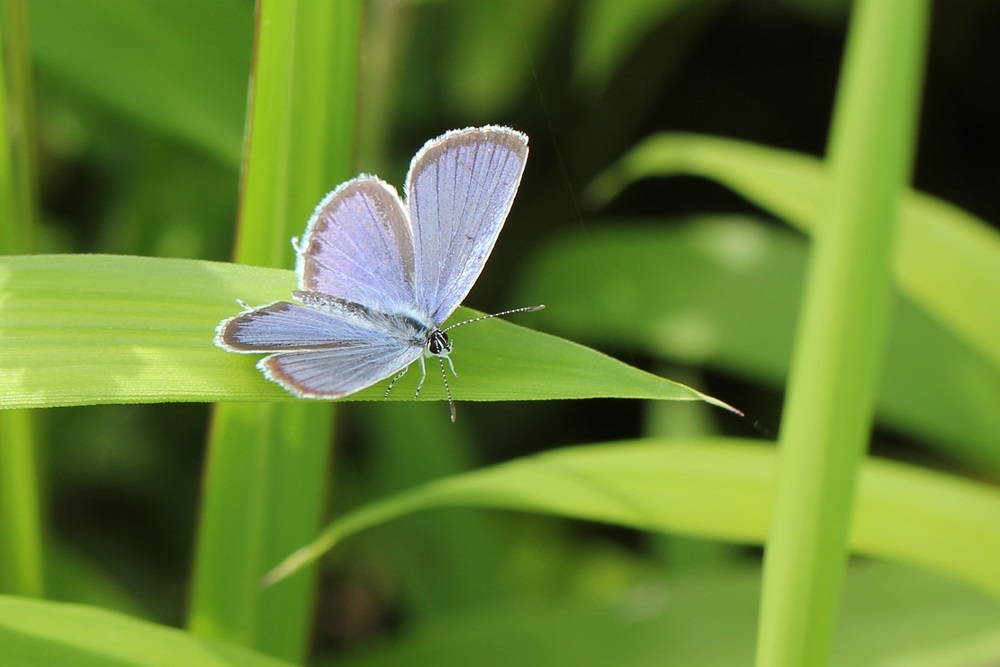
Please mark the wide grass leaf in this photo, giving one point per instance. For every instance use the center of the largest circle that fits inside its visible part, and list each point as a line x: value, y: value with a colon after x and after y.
x: 34, y: 633
x: 85, y: 329
x: 946, y: 260
x: 730, y: 301
x: 714, y: 488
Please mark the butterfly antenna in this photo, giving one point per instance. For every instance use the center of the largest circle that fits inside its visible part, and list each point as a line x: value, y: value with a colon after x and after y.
x: 447, y: 390
x: 524, y: 309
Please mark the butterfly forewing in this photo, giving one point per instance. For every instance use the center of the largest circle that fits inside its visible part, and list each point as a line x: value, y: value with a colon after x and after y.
x: 459, y: 191
x: 359, y: 247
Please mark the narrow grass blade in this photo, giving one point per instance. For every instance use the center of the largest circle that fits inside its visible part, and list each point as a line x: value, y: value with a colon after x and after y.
x: 21, y: 569
x: 713, y: 488
x: 20, y: 515
x: 17, y: 144
x: 299, y: 142
x: 842, y: 331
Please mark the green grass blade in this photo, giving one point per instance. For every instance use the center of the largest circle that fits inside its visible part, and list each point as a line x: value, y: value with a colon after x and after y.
x: 733, y: 295
x: 301, y: 125
x: 264, y: 490
x: 20, y: 516
x: 713, y: 488
x: 17, y: 149
x: 21, y: 569
x: 10, y: 227
x: 299, y: 136
x: 45, y: 634
x: 946, y: 260
x: 87, y: 329
x: 842, y: 332
x: 299, y: 145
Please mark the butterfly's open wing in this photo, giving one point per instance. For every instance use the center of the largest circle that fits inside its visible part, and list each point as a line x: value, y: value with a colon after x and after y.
x: 459, y: 190
x: 319, y: 355
x: 338, y: 371
x: 358, y: 246
x: 283, y: 326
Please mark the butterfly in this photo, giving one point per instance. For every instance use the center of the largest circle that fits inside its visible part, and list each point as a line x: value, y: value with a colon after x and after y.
x: 379, y: 275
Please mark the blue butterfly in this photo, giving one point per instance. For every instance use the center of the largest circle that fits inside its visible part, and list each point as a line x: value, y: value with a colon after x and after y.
x: 379, y: 275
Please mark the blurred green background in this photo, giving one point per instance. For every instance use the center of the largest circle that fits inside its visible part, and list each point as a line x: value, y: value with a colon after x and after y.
x: 140, y: 113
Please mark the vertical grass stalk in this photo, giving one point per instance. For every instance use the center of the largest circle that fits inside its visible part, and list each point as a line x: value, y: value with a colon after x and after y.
x: 21, y: 571
x: 265, y: 481
x: 841, y: 332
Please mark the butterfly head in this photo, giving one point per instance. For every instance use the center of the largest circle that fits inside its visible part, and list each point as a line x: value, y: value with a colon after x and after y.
x: 439, y: 345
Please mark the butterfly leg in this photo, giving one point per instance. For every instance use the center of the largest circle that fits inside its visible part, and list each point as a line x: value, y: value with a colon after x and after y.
x: 423, y: 375
x: 451, y: 364
x: 393, y: 381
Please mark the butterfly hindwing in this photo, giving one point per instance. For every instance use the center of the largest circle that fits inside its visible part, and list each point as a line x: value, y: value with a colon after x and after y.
x: 338, y: 371
x: 319, y: 354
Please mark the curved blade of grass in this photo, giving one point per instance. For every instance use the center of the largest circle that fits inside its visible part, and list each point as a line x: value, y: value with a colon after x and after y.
x: 85, y: 329
x: 34, y: 633
x: 714, y: 488
x: 946, y: 260
x: 735, y: 286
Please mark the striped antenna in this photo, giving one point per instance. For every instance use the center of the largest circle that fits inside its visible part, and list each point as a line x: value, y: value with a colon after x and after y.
x: 524, y: 309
